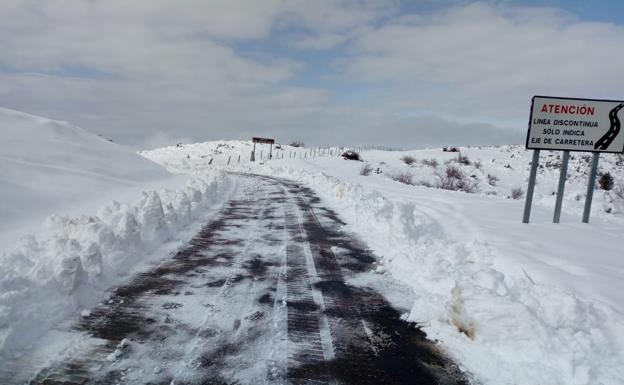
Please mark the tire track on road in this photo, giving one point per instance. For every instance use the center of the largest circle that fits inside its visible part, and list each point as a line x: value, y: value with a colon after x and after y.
x: 260, y: 295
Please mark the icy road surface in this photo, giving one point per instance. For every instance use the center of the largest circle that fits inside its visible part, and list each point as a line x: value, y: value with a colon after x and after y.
x: 262, y: 295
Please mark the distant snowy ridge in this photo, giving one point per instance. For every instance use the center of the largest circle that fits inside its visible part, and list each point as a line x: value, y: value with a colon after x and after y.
x: 180, y: 158
x: 494, y: 171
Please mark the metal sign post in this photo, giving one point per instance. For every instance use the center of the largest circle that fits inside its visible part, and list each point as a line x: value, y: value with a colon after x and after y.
x: 529, y: 195
x: 563, y: 173
x: 569, y: 124
x: 591, y: 184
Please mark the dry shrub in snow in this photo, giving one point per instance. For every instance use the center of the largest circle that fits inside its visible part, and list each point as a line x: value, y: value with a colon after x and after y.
x: 606, y: 181
x: 517, y: 193
x: 350, y: 155
x: 454, y: 179
x: 403, y: 177
x: 429, y: 162
x: 366, y: 169
x: 297, y: 143
x: 458, y: 315
x: 463, y: 159
x: 477, y: 164
x: 450, y: 149
x: 492, y: 179
x: 408, y: 160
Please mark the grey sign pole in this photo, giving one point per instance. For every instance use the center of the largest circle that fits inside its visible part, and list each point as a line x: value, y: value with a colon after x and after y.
x: 591, y: 184
x: 563, y: 173
x: 529, y: 196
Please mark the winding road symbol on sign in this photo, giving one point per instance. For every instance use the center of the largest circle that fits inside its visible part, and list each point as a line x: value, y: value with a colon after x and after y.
x: 606, y: 140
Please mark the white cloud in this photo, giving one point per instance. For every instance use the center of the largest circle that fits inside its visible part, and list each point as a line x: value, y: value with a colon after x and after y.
x: 323, y: 41
x: 159, y: 66
x: 481, y: 60
x: 335, y: 15
x: 131, y: 69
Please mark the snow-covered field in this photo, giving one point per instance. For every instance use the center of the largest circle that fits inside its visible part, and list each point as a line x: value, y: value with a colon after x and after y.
x: 87, y: 213
x: 514, y: 303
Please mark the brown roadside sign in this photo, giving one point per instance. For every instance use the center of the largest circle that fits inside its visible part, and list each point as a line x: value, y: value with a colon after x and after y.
x: 263, y: 140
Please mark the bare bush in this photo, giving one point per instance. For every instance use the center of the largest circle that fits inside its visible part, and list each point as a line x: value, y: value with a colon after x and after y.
x: 453, y: 172
x: 433, y: 163
x: 366, y: 169
x: 408, y: 160
x: 606, y: 181
x: 477, y: 164
x: 450, y: 149
x: 403, y: 177
x: 492, y: 179
x: 453, y: 179
x: 297, y: 143
x: 350, y: 155
x: 517, y: 193
x: 463, y: 159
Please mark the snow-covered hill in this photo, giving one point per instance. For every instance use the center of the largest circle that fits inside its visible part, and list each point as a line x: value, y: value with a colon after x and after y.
x: 490, y: 171
x: 78, y: 213
x: 514, y: 303
x: 502, y: 172
x: 181, y: 157
x: 51, y: 167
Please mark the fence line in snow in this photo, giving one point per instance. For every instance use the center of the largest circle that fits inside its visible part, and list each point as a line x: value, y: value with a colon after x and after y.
x: 315, y: 152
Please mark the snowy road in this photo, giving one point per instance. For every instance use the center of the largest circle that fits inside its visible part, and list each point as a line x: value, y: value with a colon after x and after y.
x: 262, y: 295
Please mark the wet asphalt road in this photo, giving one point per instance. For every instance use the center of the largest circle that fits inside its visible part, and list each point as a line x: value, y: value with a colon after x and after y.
x: 259, y: 296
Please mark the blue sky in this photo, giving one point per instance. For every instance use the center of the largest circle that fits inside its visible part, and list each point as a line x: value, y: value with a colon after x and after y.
x: 409, y: 73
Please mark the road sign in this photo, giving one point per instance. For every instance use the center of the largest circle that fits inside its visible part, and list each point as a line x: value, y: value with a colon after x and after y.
x: 570, y: 124
x: 263, y: 140
x: 575, y: 125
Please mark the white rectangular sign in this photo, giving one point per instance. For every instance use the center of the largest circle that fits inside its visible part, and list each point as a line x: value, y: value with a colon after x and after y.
x: 576, y: 124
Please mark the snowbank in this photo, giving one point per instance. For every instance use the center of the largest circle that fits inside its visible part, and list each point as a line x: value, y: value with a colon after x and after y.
x: 51, y: 167
x: 66, y: 177
x: 68, y: 265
